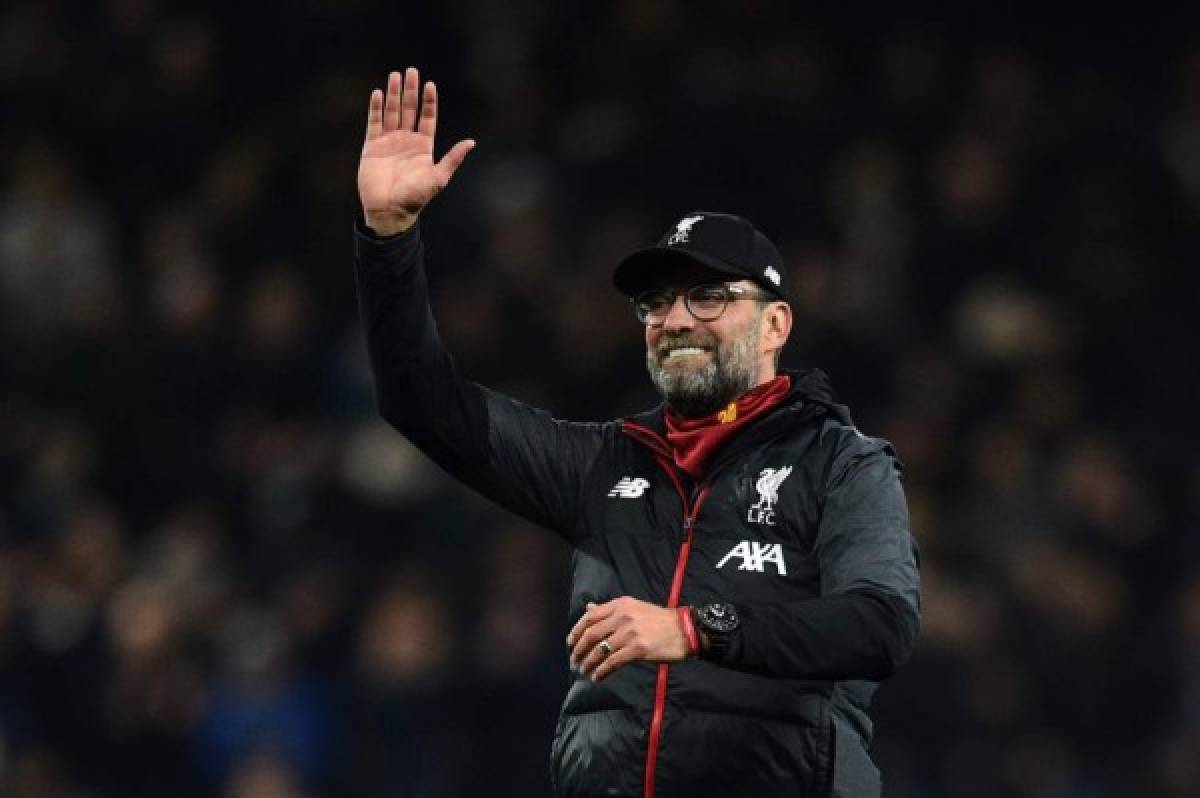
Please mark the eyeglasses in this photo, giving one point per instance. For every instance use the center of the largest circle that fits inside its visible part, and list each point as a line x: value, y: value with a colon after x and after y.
x: 706, y: 302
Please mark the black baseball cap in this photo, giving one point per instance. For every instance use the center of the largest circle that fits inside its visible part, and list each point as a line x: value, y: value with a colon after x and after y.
x: 721, y: 242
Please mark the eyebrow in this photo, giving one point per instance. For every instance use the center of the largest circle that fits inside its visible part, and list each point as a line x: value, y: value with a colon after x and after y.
x: 675, y: 286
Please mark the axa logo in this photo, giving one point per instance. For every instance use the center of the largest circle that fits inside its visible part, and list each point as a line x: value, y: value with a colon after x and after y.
x: 629, y: 488
x: 755, y: 556
x: 769, y: 480
x: 683, y: 230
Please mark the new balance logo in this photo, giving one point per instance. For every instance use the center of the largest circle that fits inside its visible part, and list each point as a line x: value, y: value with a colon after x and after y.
x: 756, y: 555
x: 629, y: 488
x: 769, y: 480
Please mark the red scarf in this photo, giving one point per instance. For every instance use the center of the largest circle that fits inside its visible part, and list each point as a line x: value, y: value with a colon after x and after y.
x: 694, y: 441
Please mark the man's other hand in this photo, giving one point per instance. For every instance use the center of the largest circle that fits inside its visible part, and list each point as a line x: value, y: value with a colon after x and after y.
x: 635, y: 630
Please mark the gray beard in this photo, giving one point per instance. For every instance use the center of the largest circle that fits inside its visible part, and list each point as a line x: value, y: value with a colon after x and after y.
x: 731, y: 372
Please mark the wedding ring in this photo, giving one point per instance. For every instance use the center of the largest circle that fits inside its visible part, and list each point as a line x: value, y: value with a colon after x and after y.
x: 605, y: 647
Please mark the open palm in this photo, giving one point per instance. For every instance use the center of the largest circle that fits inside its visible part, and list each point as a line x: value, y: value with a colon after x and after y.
x: 397, y: 175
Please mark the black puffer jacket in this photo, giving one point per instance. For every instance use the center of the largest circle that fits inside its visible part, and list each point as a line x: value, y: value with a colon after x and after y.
x: 801, y: 523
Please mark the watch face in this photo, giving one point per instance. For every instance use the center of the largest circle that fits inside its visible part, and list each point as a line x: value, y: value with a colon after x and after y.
x: 719, y: 617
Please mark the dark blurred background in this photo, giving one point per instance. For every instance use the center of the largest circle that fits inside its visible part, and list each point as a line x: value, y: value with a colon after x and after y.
x: 221, y: 575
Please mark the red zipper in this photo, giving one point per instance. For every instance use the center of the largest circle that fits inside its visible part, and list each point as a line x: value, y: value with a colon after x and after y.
x: 690, y: 511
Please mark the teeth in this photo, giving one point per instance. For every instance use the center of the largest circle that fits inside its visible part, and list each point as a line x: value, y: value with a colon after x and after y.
x: 685, y: 350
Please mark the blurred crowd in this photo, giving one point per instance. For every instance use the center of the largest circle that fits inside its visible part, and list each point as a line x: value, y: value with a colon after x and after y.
x: 221, y: 575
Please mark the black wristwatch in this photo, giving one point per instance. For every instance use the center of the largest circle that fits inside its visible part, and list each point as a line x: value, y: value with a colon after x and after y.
x: 718, y: 623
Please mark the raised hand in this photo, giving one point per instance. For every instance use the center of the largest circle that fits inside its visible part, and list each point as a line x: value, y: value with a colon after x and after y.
x: 397, y: 175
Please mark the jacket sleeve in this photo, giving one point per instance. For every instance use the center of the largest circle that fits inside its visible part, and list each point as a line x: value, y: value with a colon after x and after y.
x: 865, y: 622
x: 515, y: 455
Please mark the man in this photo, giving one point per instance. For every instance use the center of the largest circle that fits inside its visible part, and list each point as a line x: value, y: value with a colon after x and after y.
x: 743, y: 572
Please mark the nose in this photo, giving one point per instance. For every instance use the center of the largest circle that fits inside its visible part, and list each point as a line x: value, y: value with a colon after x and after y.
x: 678, y: 317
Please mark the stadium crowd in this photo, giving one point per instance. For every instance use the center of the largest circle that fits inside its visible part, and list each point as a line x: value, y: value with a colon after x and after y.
x: 222, y: 575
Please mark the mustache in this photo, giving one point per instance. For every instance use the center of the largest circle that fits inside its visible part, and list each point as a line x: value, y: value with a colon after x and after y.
x: 666, y: 344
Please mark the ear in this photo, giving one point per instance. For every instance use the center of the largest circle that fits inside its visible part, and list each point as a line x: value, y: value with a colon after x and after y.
x: 777, y: 326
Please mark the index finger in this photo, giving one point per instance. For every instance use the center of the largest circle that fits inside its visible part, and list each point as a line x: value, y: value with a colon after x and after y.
x: 594, y: 613
x: 427, y: 122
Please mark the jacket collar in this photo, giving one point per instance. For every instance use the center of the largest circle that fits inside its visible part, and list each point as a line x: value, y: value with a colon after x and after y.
x: 811, y: 397
x: 811, y: 389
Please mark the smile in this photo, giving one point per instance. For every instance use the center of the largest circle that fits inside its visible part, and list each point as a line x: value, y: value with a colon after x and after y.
x: 684, y: 351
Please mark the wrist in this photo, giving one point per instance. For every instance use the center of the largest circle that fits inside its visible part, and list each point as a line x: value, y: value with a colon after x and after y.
x: 386, y: 225
x: 691, y: 635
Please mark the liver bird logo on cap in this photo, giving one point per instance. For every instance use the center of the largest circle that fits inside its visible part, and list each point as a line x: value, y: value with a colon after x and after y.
x: 683, y: 230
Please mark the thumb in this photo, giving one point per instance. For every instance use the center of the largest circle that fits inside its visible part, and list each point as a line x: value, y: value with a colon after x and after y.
x: 453, y: 159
